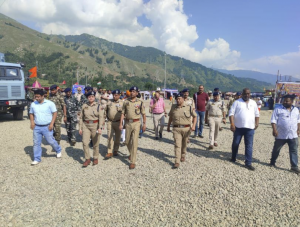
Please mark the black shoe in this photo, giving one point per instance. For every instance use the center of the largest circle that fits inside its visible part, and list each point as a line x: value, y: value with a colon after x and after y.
x: 156, y: 138
x: 160, y: 135
x: 232, y: 160
x: 272, y: 165
x: 295, y: 170
x: 250, y: 167
x: 201, y: 136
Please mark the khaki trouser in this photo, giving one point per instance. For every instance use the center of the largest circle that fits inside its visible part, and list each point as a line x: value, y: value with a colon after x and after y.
x: 132, y: 136
x: 214, y: 126
x: 180, y: 136
x: 88, y: 131
x: 158, y: 118
x: 113, y: 128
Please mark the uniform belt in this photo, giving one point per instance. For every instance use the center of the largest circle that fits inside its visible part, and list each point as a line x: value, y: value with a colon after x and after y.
x: 215, y: 115
x: 181, y: 126
x: 158, y: 113
x: 132, y: 120
x: 91, y: 122
x: 115, y: 121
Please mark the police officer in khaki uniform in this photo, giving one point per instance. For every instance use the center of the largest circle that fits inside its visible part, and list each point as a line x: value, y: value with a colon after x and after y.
x: 113, y: 112
x: 90, y: 125
x: 133, y: 108
x: 188, y: 101
x: 215, y: 114
x: 60, y: 106
x: 180, y: 117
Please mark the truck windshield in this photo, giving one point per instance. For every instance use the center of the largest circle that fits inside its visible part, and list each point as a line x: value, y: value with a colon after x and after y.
x: 10, y: 74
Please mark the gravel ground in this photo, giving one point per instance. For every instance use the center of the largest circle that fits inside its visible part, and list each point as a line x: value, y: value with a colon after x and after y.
x: 207, y: 190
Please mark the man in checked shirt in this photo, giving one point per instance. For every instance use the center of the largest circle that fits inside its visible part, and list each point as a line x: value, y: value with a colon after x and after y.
x: 158, y: 109
x: 286, y: 128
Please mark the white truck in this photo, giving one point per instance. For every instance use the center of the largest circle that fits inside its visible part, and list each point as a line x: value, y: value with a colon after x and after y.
x: 12, y: 88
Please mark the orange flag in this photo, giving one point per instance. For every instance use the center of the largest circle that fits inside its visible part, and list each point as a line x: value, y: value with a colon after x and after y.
x: 33, y: 72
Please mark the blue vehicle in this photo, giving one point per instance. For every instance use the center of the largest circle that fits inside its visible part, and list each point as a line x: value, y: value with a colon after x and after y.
x: 12, y: 89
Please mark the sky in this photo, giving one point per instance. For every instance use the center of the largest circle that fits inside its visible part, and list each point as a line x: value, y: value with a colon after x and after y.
x: 227, y: 34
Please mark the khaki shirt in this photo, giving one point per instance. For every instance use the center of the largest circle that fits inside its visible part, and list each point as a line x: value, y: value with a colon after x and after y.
x: 113, y: 110
x: 91, y: 113
x: 104, y: 101
x: 98, y: 97
x: 133, y: 109
x: 182, y: 115
x: 189, y: 102
x: 215, y: 108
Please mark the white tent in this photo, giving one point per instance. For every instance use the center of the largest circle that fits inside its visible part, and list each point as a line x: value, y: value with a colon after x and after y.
x: 145, y: 95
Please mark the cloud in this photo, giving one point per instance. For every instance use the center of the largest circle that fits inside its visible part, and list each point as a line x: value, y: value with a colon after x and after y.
x: 117, y: 21
x: 287, y: 64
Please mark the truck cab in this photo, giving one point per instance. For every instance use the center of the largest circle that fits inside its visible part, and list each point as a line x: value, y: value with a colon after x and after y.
x: 12, y: 89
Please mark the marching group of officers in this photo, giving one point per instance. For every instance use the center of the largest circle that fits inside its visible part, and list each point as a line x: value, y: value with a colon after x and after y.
x: 93, y: 109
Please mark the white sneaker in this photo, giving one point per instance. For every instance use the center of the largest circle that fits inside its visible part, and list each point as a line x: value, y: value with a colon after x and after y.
x: 34, y: 163
x: 58, y: 155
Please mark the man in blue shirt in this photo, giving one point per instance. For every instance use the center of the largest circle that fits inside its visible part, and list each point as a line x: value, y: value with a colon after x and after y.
x: 286, y: 128
x: 42, y: 117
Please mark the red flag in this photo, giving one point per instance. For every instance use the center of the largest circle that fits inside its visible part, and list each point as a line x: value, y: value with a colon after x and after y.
x: 76, y: 83
x: 64, y: 82
x: 33, y: 72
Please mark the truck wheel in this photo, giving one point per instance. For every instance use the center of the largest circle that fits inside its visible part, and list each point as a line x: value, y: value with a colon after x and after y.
x: 18, y: 114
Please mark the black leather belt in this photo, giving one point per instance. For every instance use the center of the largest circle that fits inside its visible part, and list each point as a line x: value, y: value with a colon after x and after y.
x: 42, y: 125
x: 158, y: 113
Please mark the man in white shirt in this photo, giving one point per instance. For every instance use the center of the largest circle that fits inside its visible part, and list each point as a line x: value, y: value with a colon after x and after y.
x: 244, y: 119
x: 285, y: 122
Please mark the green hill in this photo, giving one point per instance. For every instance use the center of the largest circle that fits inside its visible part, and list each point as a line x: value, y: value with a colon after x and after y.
x: 115, y: 65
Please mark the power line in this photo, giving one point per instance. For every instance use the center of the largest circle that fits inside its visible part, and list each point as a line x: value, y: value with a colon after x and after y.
x: 2, y: 3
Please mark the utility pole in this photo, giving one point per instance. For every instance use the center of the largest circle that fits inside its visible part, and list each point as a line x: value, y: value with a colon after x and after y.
x: 165, y: 76
x: 77, y: 77
x: 85, y: 80
x: 37, y: 67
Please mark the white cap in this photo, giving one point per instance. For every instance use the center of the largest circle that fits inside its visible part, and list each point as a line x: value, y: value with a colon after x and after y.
x: 158, y: 89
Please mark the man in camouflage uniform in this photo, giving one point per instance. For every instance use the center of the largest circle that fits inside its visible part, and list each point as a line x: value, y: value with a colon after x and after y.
x: 72, y: 111
x: 30, y: 99
x: 60, y: 106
